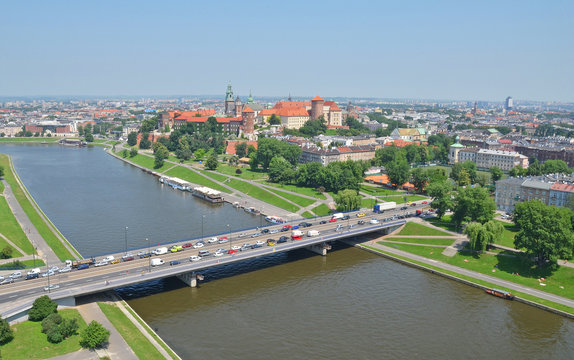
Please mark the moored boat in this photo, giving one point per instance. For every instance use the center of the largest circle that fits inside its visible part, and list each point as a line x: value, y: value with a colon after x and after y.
x: 274, y: 219
x: 500, y: 293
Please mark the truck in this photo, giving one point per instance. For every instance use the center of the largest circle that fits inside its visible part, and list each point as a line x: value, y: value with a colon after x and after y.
x: 157, y: 262
x: 160, y: 251
x: 337, y: 216
x: 76, y: 263
x: 296, y: 234
x: 389, y: 205
x: 313, y: 233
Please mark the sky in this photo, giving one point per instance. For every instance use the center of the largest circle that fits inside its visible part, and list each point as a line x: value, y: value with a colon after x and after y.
x: 459, y: 50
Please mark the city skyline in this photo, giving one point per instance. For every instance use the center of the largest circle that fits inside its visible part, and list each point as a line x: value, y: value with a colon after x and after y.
x: 448, y: 51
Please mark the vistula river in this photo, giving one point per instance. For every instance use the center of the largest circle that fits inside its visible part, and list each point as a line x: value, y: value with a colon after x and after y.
x: 348, y: 305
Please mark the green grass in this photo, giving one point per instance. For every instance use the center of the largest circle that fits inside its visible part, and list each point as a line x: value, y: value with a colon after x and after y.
x: 27, y: 264
x: 38, y: 220
x: 1, y: 187
x: 444, y: 223
x: 30, y: 343
x: 510, y: 231
x: 427, y: 241
x: 480, y: 282
x: 30, y: 139
x: 214, y: 175
x: 147, y: 162
x: 141, y: 346
x: 298, y: 189
x: 193, y: 177
x: 246, y: 172
x: 307, y: 214
x: 321, y: 210
x: 412, y: 228
x: 379, y: 190
x: 152, y: 333
x: 262, y: 194
x: 425, y: 251
x: 368, y: 203
x: 401, y: 200
x: 10, y: 228
x: 301, y: 201
x: 15, y: 253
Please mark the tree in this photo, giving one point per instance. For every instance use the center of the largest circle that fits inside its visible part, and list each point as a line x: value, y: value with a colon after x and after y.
x: 555, y: 167
x: 463, y: 178
x: 94, y: 335
x: 419, y: 178
x: 398, y: 171
x: 149, y: 125
x: 545, y: 231
x: 241, y: 149
x: 6, y: 252
x: 1, y: 171
x: 144, y: 142
x: 517, y: 171
x: 160, y: 153
x: 211, y: 163
x: 482, y: 179
x: 535, y: 168
x: 441, y: 193
x: 274, y: 120
x: 470, y: 168
x: 348, y: 200
x: 495, y: 174
x: 133, y: 152
x: 199, y: 154
x: 80, y: 130
x: 88, y: 136
x: 473, y: 204
x: 42, y: 307
x: 6, y: 333
x: 251, y: 149
x: 280, y: 170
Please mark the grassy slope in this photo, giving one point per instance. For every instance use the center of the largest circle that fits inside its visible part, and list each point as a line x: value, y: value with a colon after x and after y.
x: 299, y: 189
x: 246, y: 173
x: 27, y: 263
x: 147, y: 162
x: 30, y: 343
x: 412, y: 228
x: 10, y: 228
x: 401, y: 200
x: 261, y: 194
x: 135, y: 339
x: 379, y: 190
x: 301, y: 201
x: 321, y: 210
x: 307, y: 214
x: 193, y: 177
x: 426, y: 241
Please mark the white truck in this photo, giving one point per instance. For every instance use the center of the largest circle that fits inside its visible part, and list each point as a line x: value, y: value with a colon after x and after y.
x: 313, y: 233
x: 389, y: 205
x: 157, y: 262
x: 160, y: 251
x: 337, y: 216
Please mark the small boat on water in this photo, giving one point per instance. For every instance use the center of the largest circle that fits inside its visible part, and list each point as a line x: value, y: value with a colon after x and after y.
x: 252, y: 210
x: 500, y: 293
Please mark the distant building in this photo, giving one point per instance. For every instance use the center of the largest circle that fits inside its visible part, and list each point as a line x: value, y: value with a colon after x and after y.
x: 342, y: 153
x: 409, y: 134
x: 294, y: 114
x: 551, y: 189
x: 485, y: 158
x: 229, y: 101
x: 508, y: 104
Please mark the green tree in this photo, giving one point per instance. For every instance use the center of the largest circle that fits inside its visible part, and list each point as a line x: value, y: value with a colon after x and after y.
x: 80, y: 130
x: 132, y: 138
x: 545, y: 231
x: 212, y: 163
x: 463, y: 178
x: 398, y: 171
x: 199, y: 154
x: 145, y: 143
x: 495, y: 174
x: 133, y: 152
x: 88, y: 136
x: 274, y: 120
x: 6, y: 333
x: 94, y: 335
x: 1, y: 171
x: 125, y: 153
x: 470, y: 168
x: 478, y: 237
x: 482, y: 179
x: 149, y: 125
x: 251, y: 149
x: 555, y: 167
x: 535, y: 168
x: 348, y: 200
x: 42, y: 307
x: 441, y: 193
x: 241, y: 149
x: 473, y: 204
x: 280, y: 170
x: 419, y: 178
x: 160, y: 153
x: 517, y: 171
x: 387, y: 155
x: 6, y: 252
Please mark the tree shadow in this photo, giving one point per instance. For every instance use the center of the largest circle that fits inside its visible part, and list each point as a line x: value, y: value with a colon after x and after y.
x: 523, y: 265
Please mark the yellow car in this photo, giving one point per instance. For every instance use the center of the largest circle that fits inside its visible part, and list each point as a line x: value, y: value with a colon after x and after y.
x: 271, y: 242
x: 115, y: 261
x: 360, y: 214
x: 176, y: 248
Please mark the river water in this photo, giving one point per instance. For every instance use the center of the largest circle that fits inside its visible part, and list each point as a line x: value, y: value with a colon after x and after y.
x: 348, y: 305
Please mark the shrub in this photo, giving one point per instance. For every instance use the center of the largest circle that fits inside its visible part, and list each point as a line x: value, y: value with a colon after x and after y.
x: 54, y: 336
x: 51, y: 322
x: 238, y: 171
x: 6, y: 252
x: 42, y: 307
x: 6, y: 334
x: 69, y: 327
x: 94, y: 335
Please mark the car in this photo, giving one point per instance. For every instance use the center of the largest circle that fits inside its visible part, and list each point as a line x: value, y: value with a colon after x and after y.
x: 65, y: 269
x: 143, y: 254
x: 404, y: 207
x: 174, y: 262
x: 332, y: 220
x: 7, y: 281
x: 409, y: 202
x: 223, y: 240
x: 108, y: 258
x: 339, y: 227
x: 242, y: 235
x: 271, y: 242
x: 101, y: 263
x: 361, y: 222
x: 194, y: 258
x: 373, y: 221
x: 217, y: 254
x: 187, y: 245
x: 231, y: 251
x: 213, y: 240
x: 260, y: 242
x: 204, y: 253
x: 282, y: 238
x: 432, y: 210
x: 198, y: 245
x: 286, y: 227
x: 255, y: 246
x: 54, y: 268
x: 425, y: 202
x: 352, y: 226
x: 124, y: 258
x: 323, y: 222
x: 35, y: 275
x: 221, y: 250
x: 49, y: 273
x: 51, y: 287
x: 305, y: 224
x: 256, y: 234
x: 1, y: 278
x: 295, y: 227
x: 245, y: 245
x: 236, y: 247
x: 16, y: 275
x: 361, y: 215
x: 346, y: 217
x: 176, y: 248
x: 273, y: 231
x: 265, y: 231
x: 414, y: 204
x: 82, y: 267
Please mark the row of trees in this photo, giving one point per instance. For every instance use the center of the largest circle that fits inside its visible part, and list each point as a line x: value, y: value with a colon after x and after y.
x: 536, y: 168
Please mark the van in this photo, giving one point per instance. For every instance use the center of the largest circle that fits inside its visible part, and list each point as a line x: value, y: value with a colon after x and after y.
x: 337, y: 216
x: 296, y: 234
x: 160, y: 251
x: 34, y: 271
x: 313, y: 233
x: 157, y: 262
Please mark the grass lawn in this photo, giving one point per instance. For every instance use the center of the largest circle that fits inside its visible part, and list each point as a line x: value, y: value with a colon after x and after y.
x: 30, y: 343
x: 322, y: 209
x: 262, y: 194
x: 401, y: 200
x: 246, y: 172
x: 26, y: 263
x: 307, y: 214
x: 214, y: 175
x: 412, y: 228
x: 10, y: 228
x: 15, y: 253
x: 444, y: 223
x: 147, y: 162
x: 379, y: 190
x: 301, y: 201
x: 36, y: 219
x: 426, y: 241
x: 425, y: 251
x: 299, y: 189
x: 368, y: 203
x: 193, y: 177
x: 135, y: 339
x: 510, y: 231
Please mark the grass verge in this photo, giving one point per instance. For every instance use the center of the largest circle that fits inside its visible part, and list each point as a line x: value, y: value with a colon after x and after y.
x: 193, y: 177
x: 148, y: 162
x: 427, y: 241
x: 246, y: 173
x: 321, y: 210
x: 412, y: 228
x: 27, y: 264
x: 298, y: 189
x: 379, y: 190
x: 131, y: 334
x: 11, y: 229
x: 401, y: 200
x: 262, y: 194
x: 307, y: 214
x: 301, y: 201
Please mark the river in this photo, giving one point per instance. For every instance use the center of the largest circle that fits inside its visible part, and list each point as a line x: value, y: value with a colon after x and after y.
x: 348, y: 305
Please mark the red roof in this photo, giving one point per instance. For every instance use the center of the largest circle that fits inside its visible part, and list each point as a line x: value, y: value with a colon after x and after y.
x: 332, y: 105
x: 268, y: 112
x: 292, y: 111
x: 317, y: 98
x: 230, y: 149
x: 563, y: 187
x: 184, y: 115
x: 202, y: 119
x: 505, y: 141
x: 284, y: 104
x: 248, y: 110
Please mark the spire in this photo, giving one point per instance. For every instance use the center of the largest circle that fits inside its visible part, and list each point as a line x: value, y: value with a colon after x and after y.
x: 250, y: 98
x: 229, y: 93
x: 289, y: 98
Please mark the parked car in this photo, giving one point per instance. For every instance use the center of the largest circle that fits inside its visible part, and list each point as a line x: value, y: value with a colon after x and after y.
x: 425, y: 202
x: 174, y: 262
x: 7, y: 281
x: 51, y: 287
x: 65, y: 269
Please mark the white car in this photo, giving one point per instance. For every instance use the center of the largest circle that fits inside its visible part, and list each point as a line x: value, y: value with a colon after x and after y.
x: 212, y: 240
x: 236, y: 247
x: 218, y: 253
x: 223, y: 240
x: 48, y: 273
x: 194, y: 258
x: 16, y: 275
x: 373, y: 221
x: 51, y: 287
x: 101, y: 263
x: 54, y: 268
x: 65, y: 269
x: 198, y: 245
x: 260, y: 242
x: 273, y: 231
x: 108, y: 258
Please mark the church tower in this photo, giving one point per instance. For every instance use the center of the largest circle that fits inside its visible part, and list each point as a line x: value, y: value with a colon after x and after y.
x: 238, y: 107
x: 229, y: 103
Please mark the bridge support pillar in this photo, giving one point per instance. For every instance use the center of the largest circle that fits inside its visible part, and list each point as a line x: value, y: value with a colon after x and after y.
x: 189, y: 279
x: 320, y: 249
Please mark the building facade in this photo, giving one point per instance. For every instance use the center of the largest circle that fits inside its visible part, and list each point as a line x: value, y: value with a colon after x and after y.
x: 553, y: 190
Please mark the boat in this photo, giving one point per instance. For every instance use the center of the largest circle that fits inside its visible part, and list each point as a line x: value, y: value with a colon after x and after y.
x: 175, y: 183
x: 252, y: 210
x: 274, y: 219
x: 500, y: 293
x: 209, y: 194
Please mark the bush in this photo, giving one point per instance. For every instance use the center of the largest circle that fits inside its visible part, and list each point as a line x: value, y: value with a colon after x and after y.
x: 69, y: 327
x: 6, y: 334
x: 6, y: 252
x: 133, y: 152
x: 94, y: 335
x: 238, y: 171
x: 124, y: 153
x: 54, y: 336
x: 51, y: 322
x: 42, y: 307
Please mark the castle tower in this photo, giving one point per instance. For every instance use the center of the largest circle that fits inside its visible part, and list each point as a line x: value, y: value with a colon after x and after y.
x: 317, y: 107
x: 238, y: 107
x: 248, y: 121
x: 250, y: 99
x: 229, y: 100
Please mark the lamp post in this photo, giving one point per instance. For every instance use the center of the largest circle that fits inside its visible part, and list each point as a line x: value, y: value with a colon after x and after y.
x: 202, y: 218
x: 48, y: 272
x: 149, y: 253
x: 126, y: 239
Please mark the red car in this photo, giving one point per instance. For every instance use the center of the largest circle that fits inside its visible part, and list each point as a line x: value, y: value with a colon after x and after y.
x: 424, y: 202
x: 414, y: 204
x: 231, y: 251
x: 286, y: 227
x: 186, y: 245
x: 333, y: 220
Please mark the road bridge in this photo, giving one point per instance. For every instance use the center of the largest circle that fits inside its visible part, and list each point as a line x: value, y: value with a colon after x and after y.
x: 17, y: 298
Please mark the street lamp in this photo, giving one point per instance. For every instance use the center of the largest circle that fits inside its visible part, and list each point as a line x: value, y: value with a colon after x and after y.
x: 149, y: 254
x: 202, y: 218
x: 126, y: 239
x: 48, y: 272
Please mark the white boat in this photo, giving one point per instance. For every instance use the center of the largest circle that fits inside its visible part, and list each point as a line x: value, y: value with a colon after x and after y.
x: 274, y: 219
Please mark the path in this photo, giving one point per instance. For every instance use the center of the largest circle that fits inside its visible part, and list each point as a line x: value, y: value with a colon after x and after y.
x: 12, y: 244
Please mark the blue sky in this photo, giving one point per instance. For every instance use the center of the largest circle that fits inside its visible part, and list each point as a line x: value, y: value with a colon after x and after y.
x: 483, y: 50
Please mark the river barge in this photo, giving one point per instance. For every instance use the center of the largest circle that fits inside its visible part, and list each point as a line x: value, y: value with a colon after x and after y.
x: 175, y: 183
x: 274, y: 219
x: 209, y: 194
x: 72, y: 142
x: 500, y: 293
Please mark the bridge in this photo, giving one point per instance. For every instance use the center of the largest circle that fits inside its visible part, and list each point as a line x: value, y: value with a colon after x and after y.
x: 17, y: 298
